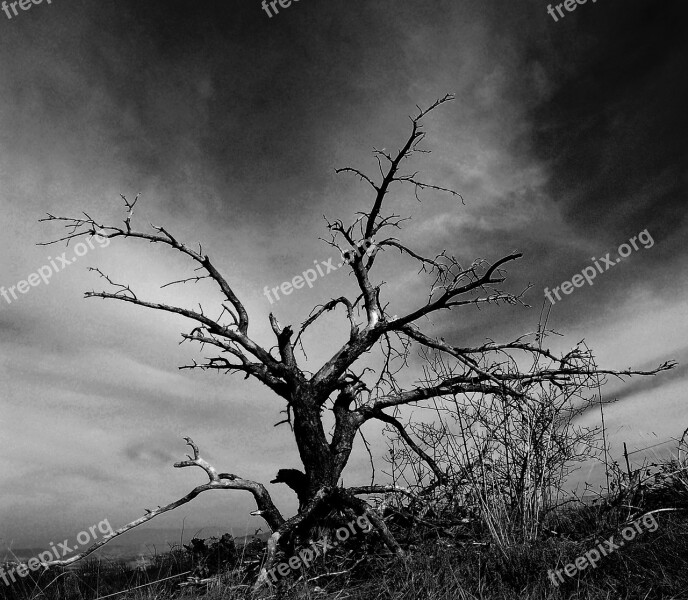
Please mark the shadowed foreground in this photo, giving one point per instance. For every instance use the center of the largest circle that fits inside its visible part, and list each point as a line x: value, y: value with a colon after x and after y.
x: 445, y: 560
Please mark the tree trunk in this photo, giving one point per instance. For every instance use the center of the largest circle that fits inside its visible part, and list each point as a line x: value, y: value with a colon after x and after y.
x: 323, y: 462
x: 312, y: 444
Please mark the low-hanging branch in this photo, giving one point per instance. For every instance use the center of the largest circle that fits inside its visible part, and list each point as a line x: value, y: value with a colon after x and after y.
x: 217, y: 481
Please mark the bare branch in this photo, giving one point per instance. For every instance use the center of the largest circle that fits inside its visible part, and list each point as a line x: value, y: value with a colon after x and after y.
x: 124, y: 289
x: 385, y: 418
x: 130, y: 209
x: 88, y: 226
x: 361, y: 175
x: 222, y: 481
x: 317, y: 312
x: 403, y: 249
x: 450, y: 292
x: 381, y: 489
x: 419, y: 185
x: 187, y: 280
x: 213, y: 327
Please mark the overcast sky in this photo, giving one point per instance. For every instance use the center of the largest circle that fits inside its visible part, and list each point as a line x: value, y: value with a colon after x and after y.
x: 566, y: 139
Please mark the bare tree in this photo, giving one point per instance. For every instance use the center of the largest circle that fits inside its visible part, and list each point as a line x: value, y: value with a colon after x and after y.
x: 351, y: 393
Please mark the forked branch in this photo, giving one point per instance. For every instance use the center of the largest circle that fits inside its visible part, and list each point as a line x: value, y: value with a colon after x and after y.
x: 217, y: 481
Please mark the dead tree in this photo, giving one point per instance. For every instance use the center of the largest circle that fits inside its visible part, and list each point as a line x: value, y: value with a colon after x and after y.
x: 353, y: 394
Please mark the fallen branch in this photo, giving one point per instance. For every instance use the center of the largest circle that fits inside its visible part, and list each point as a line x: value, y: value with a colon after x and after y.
x: 223, y: 481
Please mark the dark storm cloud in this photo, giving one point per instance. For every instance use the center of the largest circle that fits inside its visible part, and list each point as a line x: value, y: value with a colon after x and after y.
x: 614, y: 130
x: 604, y: 92
x: 213, y: 92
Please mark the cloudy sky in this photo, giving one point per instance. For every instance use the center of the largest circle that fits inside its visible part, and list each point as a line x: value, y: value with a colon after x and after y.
x: 566, y: 139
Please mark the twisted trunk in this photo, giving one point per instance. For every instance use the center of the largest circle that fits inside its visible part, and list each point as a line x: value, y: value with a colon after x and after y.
x: 312, y: 444
x: 323, y: 461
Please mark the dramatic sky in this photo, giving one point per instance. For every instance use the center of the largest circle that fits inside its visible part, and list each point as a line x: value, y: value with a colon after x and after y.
x: 566, y: 139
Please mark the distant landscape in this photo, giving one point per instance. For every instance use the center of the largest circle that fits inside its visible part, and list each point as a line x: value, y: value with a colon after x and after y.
x: 136, y: 543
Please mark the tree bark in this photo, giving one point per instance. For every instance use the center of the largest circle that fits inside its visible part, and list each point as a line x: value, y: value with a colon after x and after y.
x: 312, y: 444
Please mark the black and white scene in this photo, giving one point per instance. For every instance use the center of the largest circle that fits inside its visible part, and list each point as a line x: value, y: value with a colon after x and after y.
x: 366, y: 300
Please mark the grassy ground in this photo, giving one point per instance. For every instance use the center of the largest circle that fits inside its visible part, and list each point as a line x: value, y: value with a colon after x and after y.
x: 461, y: 563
